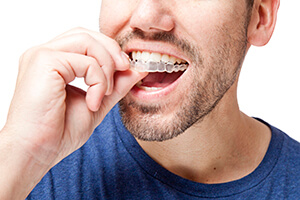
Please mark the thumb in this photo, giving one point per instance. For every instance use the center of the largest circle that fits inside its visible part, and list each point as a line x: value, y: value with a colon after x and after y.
x: 124, y: 81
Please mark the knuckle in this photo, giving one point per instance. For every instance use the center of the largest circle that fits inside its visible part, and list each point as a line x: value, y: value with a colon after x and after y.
x: 108, y: 72
x: 109, y: 65
x: 103, y: 80
x: 102, y: 83
x: 33, y: 55
x: 78, y: 29
x: 83, y: 36
x: 41, y: 54
x: 93, y: 63
x: 29, y: 54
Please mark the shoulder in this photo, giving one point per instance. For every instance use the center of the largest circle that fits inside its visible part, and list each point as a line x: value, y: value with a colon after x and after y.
x: 287, y: 170
x: 291, y: 155
x: 290, y: 148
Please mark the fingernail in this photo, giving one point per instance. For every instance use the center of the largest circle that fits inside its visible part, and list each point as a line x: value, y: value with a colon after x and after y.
x: 111, y: 87
x: 125, y: 58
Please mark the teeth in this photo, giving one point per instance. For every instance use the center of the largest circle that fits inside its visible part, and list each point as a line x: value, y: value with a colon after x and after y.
x: 139, y: 85
x: 145, y: 56
x: 156, y: 57
x: 165, y: 58
x: 156, y: 62
x: 150, y: 88
x: 156, y: 66
x: 134, y: 54
x: 172, y: 59
x: 138, y: 55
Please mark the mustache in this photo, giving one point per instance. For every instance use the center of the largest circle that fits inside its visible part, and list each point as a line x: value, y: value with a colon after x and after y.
x: 168, y: 37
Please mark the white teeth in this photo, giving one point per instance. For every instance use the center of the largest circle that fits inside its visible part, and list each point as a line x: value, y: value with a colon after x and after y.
x: 138, y: 55
x: 165, y: 58
x: 145, y: 56
x: 156, y: 62
x: 156, y: 66
x: 156, y: 57
x: 150, y: 88
x: 139, y: 85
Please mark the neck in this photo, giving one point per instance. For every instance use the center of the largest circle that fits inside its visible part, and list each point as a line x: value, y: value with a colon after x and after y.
x: 225, y: 146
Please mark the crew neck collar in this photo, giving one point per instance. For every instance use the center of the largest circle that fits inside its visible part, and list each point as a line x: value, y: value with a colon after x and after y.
x: 199, y: 189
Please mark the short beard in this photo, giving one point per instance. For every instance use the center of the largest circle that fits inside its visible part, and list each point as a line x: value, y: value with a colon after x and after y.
x: 145, y: 121
x: 148, y: 126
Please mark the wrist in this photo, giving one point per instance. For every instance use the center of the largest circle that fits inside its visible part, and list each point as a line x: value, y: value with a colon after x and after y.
x: 19, y: 170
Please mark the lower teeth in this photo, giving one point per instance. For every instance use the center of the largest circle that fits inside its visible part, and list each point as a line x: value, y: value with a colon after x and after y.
x: 151, y: 66
x: 139, y: 85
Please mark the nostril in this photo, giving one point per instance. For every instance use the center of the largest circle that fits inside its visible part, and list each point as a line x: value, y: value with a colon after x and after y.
x: 149, y: 16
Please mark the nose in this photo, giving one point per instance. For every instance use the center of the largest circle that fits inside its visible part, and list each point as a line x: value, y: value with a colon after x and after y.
x: 152, y: 16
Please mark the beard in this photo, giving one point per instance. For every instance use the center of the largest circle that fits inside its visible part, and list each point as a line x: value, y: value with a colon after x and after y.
x: 211, y: 77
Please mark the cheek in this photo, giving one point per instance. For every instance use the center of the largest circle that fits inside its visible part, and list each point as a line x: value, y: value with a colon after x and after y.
x: 114, y: 15
x: 205, y: 19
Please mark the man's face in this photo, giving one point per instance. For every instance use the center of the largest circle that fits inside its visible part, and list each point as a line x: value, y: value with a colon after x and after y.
x: 209, y: 35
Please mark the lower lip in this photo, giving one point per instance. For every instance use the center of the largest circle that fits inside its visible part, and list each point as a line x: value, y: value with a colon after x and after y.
x: 156, y: 94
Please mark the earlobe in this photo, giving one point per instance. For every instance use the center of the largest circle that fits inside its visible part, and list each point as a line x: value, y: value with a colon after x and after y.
x: 262, y: 23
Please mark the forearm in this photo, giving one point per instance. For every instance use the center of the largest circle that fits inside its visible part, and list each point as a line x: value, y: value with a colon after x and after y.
x: 19, y: 171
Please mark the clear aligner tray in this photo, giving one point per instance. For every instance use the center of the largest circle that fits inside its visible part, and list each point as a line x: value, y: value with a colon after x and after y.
x: 151, y: 66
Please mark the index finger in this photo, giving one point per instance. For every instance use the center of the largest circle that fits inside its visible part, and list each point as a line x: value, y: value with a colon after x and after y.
x: 121, y: 58
x: 110, y: 57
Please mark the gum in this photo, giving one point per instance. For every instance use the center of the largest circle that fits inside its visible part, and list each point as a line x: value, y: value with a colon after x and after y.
x: 151, y: 66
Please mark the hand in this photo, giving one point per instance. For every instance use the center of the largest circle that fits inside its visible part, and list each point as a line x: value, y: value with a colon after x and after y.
x: 49, y: 119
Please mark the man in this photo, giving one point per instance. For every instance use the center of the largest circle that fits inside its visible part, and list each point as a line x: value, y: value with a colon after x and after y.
x: 176, y: 135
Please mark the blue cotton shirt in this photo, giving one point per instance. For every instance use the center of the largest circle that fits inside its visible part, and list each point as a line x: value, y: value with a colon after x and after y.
x: 111, y: 165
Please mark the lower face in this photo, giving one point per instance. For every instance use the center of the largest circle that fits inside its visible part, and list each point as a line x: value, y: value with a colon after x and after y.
x: 163, y: 110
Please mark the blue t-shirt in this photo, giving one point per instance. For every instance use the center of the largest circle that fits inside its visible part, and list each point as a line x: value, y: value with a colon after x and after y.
x: 111, y: 165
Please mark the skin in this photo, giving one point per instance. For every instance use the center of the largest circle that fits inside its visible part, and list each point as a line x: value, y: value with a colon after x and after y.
x: 214, y: 63
x: 42, y: 125
x: 206, y: 117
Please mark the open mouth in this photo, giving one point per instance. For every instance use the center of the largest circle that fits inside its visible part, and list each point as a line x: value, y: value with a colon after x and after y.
x: 163, y: 69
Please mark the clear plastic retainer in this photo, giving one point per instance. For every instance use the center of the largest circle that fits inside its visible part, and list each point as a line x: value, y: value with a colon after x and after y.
x: 151, y: 66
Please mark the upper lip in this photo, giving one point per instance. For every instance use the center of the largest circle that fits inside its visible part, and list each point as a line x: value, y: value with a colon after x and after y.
x: 154, y: 46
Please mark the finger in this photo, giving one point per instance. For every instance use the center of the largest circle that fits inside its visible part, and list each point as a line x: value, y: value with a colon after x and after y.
x: 114, y: 47
x: 124, y: 81
x: 77, y: 65
x: 85, y: 44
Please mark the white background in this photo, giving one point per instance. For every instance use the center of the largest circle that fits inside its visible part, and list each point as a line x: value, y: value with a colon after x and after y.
x: 269, y: 82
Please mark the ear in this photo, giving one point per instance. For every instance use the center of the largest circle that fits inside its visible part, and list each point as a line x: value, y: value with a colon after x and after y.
x: 263, y: 20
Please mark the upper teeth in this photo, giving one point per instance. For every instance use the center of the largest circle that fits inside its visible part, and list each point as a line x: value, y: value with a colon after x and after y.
x: 155, y: 57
